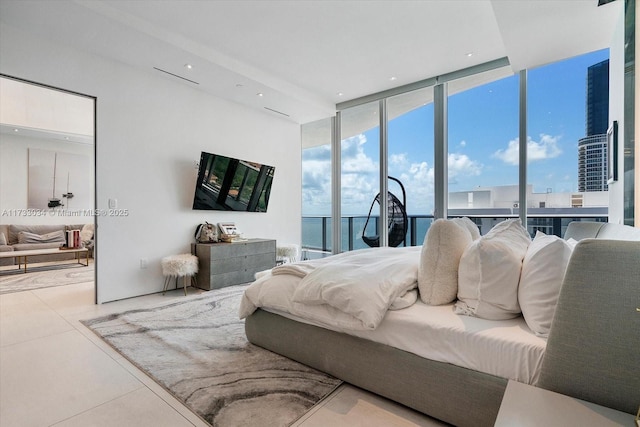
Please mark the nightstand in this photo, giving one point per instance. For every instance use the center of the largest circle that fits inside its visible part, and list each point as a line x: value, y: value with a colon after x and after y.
x: 527, y: 406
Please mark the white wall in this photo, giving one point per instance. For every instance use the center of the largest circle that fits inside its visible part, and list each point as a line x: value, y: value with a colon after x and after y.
x: 37, y: 107
x: 14, y: 178
x: 150, y: 131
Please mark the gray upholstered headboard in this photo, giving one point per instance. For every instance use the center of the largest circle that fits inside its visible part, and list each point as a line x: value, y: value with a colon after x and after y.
x: 593, y: 350
x: 579, y: 230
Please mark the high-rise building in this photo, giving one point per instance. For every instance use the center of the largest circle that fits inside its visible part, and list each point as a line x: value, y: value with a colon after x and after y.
x: 592, y: 163
x: 592, y: 149
x: 597, y: 109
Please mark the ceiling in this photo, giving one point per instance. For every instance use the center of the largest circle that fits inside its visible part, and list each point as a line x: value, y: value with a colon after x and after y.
x: 298, y: 59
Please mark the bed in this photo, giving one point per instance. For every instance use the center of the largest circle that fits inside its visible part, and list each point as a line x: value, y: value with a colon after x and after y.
x: 450, y: 366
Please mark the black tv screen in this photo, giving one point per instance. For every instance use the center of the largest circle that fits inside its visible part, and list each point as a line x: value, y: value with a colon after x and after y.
x: 229, y: 184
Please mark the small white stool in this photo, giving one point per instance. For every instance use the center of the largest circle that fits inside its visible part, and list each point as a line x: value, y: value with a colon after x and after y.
x: 183, y: 265
x: 286, y: 253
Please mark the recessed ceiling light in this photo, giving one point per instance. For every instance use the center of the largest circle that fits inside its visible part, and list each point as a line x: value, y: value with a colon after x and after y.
x: 259, y: 94
x: 469, y: 54
x: 15, y: 130
x: 339, y: 93
x: 393, y: 78
x: 188, y: 66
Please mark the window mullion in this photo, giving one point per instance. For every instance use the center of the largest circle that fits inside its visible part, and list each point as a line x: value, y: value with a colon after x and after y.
x: 383, y: 232
x: 522, y: 186
x: 336, y: 195
x: 441, y: 147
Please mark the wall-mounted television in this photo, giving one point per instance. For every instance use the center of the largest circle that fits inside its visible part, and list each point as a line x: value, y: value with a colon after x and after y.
x: 229, y: 184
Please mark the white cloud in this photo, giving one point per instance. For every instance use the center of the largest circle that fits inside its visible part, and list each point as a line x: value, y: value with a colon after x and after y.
x: 546, y: 148
x: 316, y: 185
x: 359, y: 179
x: 398, y: 160
x: 461, y: 165
x: 417, y: 179
x: 354, y: 159
x: 359, y: 174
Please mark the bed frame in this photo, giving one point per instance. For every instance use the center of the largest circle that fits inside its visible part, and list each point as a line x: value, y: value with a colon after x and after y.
x: 459, y: 396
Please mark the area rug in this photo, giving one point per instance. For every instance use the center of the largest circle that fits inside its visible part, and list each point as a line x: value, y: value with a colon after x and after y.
x: 196, y: 349
x: 38, y: 277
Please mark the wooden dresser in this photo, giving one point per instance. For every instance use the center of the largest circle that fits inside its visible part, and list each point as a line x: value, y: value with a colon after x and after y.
x: 226, y: 264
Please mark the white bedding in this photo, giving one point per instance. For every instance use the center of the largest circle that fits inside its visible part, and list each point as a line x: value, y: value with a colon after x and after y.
x: 355, y: 289
x: 504, y: 348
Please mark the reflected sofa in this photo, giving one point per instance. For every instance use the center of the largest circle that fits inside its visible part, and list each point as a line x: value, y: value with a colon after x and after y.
x: 11, y: 234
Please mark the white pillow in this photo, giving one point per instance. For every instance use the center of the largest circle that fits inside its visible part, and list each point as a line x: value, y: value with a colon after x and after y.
x: 543, y: 270
x: 86, y: 233
x: 443, y: 246
x: 469, y: 225
x: 489, y: 273
x: 3, y: 239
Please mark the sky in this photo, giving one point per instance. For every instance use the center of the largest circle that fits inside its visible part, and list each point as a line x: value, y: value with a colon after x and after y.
x: 483, y: 143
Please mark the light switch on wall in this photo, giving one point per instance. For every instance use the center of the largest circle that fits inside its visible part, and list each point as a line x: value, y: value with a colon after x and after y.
x: 113, y: 203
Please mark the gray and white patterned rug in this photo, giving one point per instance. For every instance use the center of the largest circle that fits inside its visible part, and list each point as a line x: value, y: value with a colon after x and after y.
x: 196, y: 348
x: 44, y: 276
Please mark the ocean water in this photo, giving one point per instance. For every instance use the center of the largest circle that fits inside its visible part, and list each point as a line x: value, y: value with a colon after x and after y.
x: 312, y: 231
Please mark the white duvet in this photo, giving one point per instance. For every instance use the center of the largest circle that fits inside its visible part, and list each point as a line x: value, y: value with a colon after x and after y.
x: 504, y: 348
x: 352, y: 290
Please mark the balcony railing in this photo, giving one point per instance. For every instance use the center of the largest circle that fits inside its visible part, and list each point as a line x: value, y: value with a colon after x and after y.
x: 316, y: 230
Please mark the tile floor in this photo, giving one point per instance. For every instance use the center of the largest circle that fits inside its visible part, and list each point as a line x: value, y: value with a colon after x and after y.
x: 56, y: 372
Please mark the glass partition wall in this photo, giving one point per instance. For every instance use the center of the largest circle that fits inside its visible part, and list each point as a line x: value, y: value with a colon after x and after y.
x: 392, y: 135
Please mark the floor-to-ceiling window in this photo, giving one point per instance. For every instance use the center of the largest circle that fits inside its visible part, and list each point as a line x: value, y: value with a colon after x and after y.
x: 566, y: 150
x: 568, y: 118
x: 483, y: 152
x: 360, y: 173
x: 410, y: 159
x: 409, y: 164
x: 316, y: 187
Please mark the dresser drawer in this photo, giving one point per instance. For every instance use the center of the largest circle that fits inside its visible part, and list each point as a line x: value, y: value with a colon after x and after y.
x: 226, y: 264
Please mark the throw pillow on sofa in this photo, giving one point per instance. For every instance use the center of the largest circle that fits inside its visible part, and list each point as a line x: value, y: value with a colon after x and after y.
x: 443, y: 246
x: 53, y: 237
x: 3, y: 239
x: 489, y: 272
x: 543, y: 271
x: 86, y: 234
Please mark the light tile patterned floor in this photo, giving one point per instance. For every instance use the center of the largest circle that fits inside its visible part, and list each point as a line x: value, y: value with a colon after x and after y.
x: 55, y: 372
